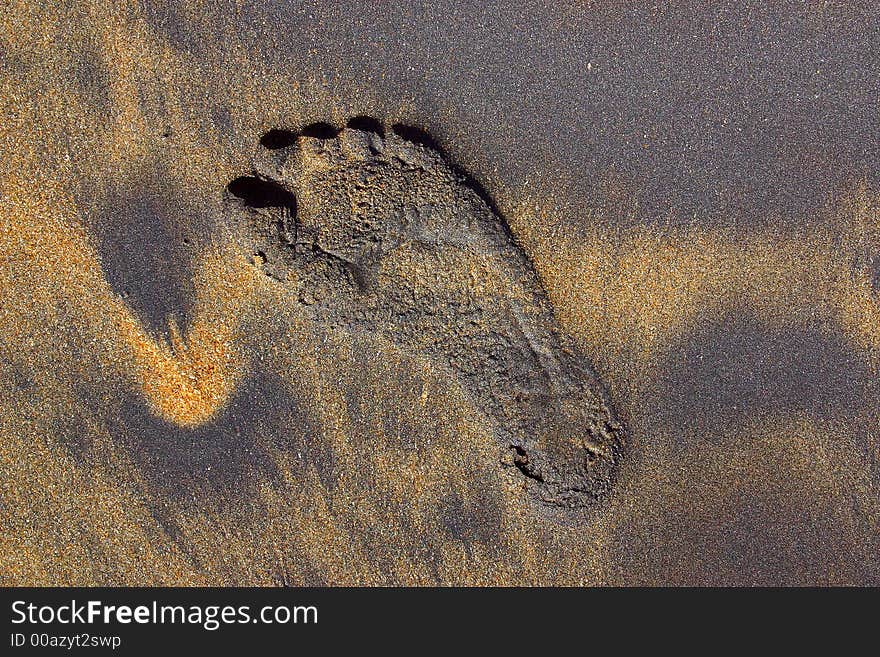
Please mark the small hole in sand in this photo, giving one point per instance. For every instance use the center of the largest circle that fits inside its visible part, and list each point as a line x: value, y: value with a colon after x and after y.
x: 319, y: 131
x: 367, y: 124
x: 416, y: 136
x: 257, y: 193
x: 278, y: 138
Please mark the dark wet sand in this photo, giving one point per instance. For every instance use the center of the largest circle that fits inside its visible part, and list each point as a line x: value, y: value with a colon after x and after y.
x: 696, y: 186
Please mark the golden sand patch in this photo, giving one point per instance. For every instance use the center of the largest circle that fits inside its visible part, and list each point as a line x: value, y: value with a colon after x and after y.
x: 50, y: 262
x: 628, y: 292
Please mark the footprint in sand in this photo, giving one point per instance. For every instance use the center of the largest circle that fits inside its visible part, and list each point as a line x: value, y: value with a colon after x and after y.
x: 373, y: 232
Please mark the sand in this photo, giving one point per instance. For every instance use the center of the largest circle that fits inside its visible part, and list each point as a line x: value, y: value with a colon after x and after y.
x: 695, y: 190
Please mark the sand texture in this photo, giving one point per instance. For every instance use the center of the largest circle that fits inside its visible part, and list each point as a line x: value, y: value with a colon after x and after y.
x: 511, y: 293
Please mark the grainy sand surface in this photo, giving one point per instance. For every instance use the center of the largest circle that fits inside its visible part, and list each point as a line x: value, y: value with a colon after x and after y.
x: 696, y: 184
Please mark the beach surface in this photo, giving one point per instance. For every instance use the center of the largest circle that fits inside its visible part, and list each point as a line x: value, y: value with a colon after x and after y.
x: 689, y: 199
